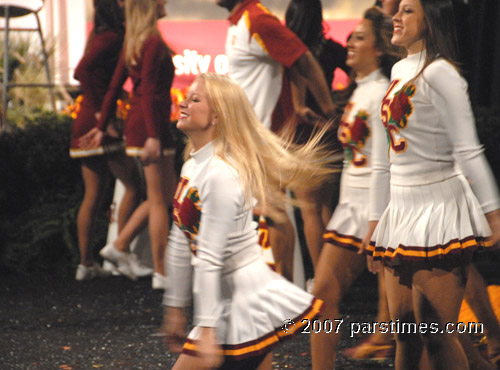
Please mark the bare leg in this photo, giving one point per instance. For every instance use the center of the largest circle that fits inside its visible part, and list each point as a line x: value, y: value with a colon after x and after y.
x: 93, y: 174
x: 316, y: 210
x: 408, y: 345
x: 382, y: 313
x: 431, y: 305
x: 474, y: 358
x: 281, y: 238
x: 476, y: 294
x: 313, y: 223
x: 160, y: 183
x: 126, y: 170
x: 337, y: 269
x: 135, y: 224
x: 267, y: 362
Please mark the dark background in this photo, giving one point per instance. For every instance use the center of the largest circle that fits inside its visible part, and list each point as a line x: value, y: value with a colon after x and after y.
x: 479, y: 45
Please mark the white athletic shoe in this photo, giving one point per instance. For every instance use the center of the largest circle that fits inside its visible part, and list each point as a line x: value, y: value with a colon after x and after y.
x: 90, y: 272
x: 159, y: 281
x: 120, y: 259
x: 108, y: 266
x: 139, y: 269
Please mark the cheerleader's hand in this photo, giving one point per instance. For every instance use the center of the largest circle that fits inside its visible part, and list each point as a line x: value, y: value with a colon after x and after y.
x: 151, y: 151
x: 91, y: 139
x: 494, y: 222
x: 174, y: 328
x: 210, y: 351
x: 373, y: 266
x: 366, y: 240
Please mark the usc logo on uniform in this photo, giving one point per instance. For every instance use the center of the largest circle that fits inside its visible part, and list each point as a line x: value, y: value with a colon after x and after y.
x: 353, y: 136
x: 187, y: 211
x: 395, y: 113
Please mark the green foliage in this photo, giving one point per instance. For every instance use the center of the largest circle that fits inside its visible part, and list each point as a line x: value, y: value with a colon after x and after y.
x: 40, y: 193
x: 25, y: 66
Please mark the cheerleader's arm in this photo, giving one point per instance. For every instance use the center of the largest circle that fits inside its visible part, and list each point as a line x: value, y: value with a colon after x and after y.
x: 457, y: 116
x: 221, y: 196
x: 179, y: 270
x: 380, y: 178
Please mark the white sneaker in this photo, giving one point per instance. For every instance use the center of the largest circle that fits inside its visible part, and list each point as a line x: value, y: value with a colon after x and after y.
x: 120, y: 259
x: 108, y: 266
x: 110, y: 253
x: 159, y: 281
x: 90, y: 272
x: 138, y: 268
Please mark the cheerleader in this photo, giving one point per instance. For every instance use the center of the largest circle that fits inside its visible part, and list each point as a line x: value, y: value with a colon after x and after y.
x: 94, y: 72
x: 214, y: 258
x: 148, y: 61
x: 444, y: 203
x: 371, y: 56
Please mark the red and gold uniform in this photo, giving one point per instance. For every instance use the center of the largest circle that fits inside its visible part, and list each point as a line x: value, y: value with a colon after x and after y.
x: 94, y: 71
x: 258, y: 47
x: 150, y: 105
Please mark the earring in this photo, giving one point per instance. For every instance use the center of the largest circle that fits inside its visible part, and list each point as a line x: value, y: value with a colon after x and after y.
x: 213, y: 123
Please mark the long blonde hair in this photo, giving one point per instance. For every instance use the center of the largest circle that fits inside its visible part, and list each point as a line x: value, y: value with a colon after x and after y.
x: 265, y: 162
x: 140, y: 20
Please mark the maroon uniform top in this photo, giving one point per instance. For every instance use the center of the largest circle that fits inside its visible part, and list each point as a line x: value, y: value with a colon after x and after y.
x: 94, y: 71
x: 149, y: 115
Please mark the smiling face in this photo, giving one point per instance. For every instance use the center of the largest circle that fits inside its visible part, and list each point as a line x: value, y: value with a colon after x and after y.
x: 361, y: 52
x: 197, y: 119
x: 409, y: 26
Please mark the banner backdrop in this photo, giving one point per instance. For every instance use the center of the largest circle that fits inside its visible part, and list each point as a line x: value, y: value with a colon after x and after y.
x: 200, y: 46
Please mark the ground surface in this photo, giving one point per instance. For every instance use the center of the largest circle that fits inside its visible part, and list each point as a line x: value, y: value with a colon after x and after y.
x: 54, y: 322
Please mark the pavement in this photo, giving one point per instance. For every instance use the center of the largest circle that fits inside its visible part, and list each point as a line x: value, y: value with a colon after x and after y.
x: 52, y: 322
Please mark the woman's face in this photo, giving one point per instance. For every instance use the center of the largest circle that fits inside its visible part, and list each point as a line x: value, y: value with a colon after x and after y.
x: 160, y: 8
x: 196, y: 117
x: 409, y: 26
x: 362, y: 56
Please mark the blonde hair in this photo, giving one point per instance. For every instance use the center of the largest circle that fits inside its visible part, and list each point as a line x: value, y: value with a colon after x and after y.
x: 140, y: 23
x: 265, y: 162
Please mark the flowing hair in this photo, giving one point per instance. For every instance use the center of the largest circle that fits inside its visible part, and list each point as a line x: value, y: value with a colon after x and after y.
x: 265, y: 162
x: 439, y: 33
x: 141, y: 20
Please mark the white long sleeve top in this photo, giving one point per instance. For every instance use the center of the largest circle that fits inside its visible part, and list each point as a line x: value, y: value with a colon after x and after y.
x: 431, y: 129
x: 360, y: 129
x: 213, y: 232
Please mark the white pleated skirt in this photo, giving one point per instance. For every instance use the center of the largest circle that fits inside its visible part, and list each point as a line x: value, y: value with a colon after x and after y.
x: 430, y: 222
x: 349, y: 223
x: 257, y: 303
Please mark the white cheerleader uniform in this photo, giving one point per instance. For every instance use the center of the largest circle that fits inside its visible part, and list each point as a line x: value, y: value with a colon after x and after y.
x: 360, y: 129
x: 440, y: 183
x: 214, y: 257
